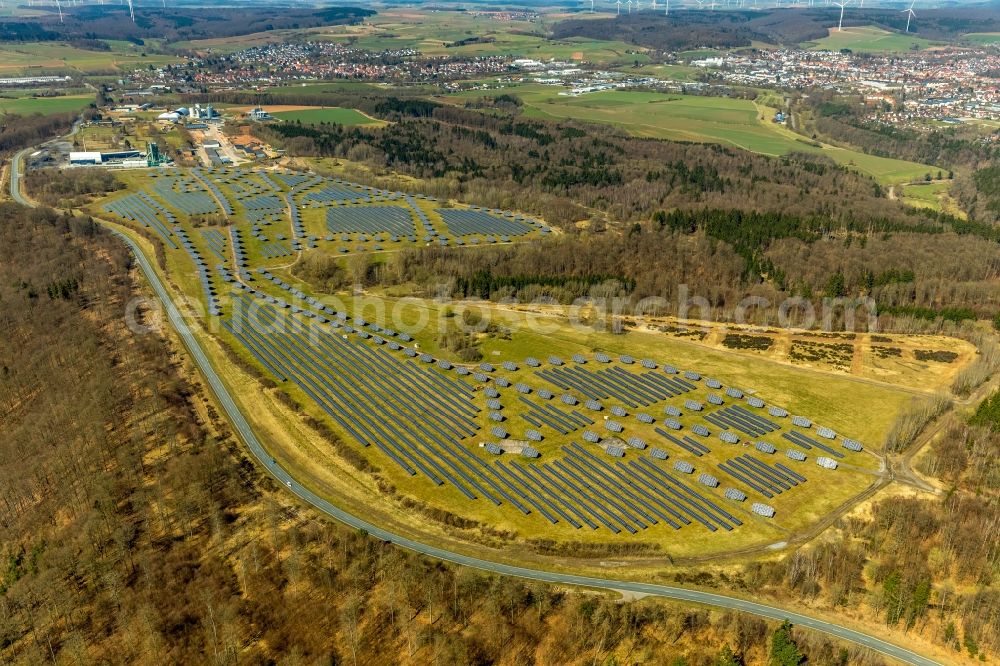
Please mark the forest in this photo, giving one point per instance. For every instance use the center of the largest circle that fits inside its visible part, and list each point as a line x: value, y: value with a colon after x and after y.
x: 134, y: 528
x: 841, y: 118
x: 111, y: 21
x: 690, y: 29
x: 661, y: 214
x: 17, y: 132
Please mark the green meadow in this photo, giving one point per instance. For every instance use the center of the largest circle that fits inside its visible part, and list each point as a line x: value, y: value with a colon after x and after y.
x: 332, y: 114
x: 869, y: 39
x: 26, y: 106
x: 51, y: 57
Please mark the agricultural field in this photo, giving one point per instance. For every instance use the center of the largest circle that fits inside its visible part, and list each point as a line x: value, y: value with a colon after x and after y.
x: 933, y: 195
x: 53, y: 58
x: 553, y: 430
x: 869, y: 39
x: 982, y: 38
x: 441, y: 34
x: 26, y: 106
x: 677, y: 117
x: 331, y: 114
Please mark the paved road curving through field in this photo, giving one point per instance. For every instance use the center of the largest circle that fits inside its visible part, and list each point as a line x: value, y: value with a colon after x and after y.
x: 246, y: 433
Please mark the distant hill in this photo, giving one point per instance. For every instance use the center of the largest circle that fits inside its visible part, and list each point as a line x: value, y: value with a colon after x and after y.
x: 173, y: 23
x: 686, y: 29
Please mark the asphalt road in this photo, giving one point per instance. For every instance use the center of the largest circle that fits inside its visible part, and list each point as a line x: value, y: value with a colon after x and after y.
x: 239, y: 422
x: 15, y: 177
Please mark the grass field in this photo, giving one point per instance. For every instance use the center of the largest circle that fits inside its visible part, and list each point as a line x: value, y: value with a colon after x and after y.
x: 869, y: 39
x: 855, y: 406
x: 332, y: 114
x: 321, y: 88
x: 54, y: 57
x: 44, y: 105
x: 934, y: 195
x: 438, y: 33
x: 982, y: 38
x: 677, y: 117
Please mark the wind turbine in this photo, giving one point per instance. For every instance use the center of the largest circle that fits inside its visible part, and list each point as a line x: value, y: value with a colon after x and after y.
x: 591, y: 5
x: 909, y: 14
x: 629, y: 4
x: 131, y: 12
x: 653, y: 5
x: 618, y: 5
x: 712, y: 5
x: 59, y: 7
x: 666, y: 12
x: 840, y: 26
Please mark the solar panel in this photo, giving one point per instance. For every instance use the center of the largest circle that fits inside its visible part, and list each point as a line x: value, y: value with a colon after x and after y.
x: 555, y: 360
x: 619, y: 411
x: 568, y: 399
x: 795, y: 454
x: 801, y: 421
x: 644, y: 418
x: 670, y: 410
x: 486, y: 367
x: 713, y: 383
x: 613, y: 426
x: 490, y: 392
x: 499, y: 432
x: 683, y: 466
x: 670, y: 370
x: 522, y: 388
x: 734, y: 392
x: 714, y: 399
x: 692, y: 405
x: 777, y: 412
x: 591, y: 436
x: 700, y: 430
x: 760, y: 509
x: 529, y: 452
x: 494, y: 404
x: 532, y: 362
x: 626, y: 359
x: 636, y: 443
x: 578, y: 358
x: 659, y: 454
x: 509, y: 365
x: 496, y: 416
x: 692, y: 375
x: 673, y: 424
x: 544, y: 393
x: 851, y: 444
x: 754, y: 401
x: 602, y: 358
x: 616, y: 451
x: 823, y: 431
x: 828, y: 463
x: 729, y: 437
x: 493, y: 448
x: 502, y: 381
x: 764, y: 447
x: 593, y: 405
x: 708, y: 480
x: 735, y: 495
x: 533, y: 435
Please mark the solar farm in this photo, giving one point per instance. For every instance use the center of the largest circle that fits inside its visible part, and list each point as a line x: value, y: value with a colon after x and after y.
x: 583, y: 446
